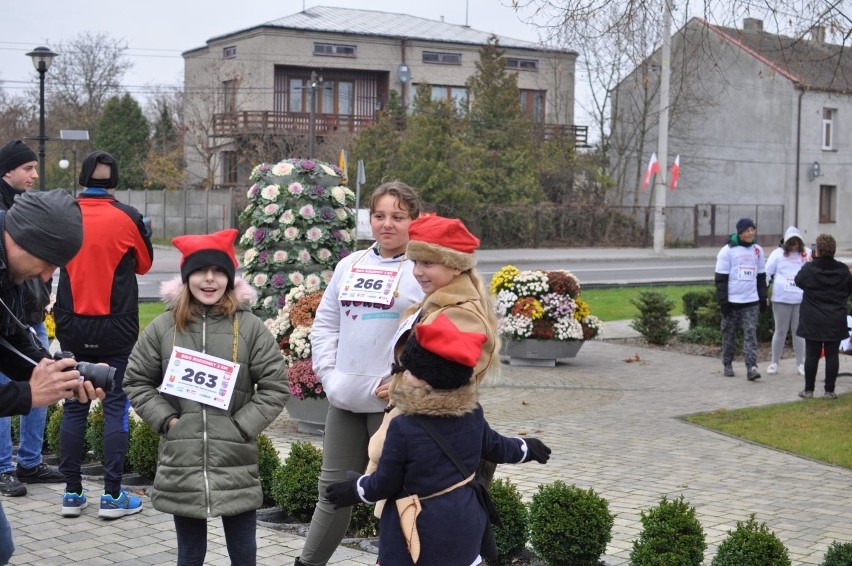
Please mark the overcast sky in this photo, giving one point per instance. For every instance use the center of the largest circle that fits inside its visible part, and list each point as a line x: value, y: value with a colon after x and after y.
x: 158, y: 31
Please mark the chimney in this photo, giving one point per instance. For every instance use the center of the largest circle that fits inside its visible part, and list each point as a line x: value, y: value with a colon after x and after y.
x: 818, y: 35
x: 752, y: 24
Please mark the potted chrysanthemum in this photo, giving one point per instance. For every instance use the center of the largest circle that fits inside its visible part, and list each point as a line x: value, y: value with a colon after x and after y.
x: 541, y: 315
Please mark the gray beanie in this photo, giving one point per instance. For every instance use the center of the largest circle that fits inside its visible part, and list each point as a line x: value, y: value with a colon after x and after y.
x: 47, y: 225
x: 14, y: 154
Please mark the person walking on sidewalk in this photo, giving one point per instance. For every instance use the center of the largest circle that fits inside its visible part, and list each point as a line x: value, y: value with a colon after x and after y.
x: 741, y: 292
x: 18, y: 173
x: 826, y: 285
x: 781, y: 268
x: 208, y: 456
x: 97, y: 319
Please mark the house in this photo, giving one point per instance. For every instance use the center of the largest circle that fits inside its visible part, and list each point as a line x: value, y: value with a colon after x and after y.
x: 763, y: 126
x: 256, y: 87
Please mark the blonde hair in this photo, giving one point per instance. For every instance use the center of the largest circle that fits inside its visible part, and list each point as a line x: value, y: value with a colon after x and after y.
x: 490, y: 315
x: 186, y: 307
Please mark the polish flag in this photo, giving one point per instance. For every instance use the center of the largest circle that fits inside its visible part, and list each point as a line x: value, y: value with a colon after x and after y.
x: 653, y: 169
x: 675, y: 172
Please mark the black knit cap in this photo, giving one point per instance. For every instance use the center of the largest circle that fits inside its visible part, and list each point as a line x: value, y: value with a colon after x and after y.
x: 47, y: 225
x: 14, y: 154
x: 438, y: 372
x: 87, y: 169
x: 744, y: 224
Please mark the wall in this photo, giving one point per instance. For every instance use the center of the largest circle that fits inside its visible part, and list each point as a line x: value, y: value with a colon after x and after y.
x: 174, y: 213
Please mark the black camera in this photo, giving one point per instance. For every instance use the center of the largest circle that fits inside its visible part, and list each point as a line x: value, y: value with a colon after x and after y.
x: 98, y: 375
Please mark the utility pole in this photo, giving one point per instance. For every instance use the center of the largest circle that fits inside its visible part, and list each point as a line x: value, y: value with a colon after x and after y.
x: 312, y: 119
x: 663, y: 132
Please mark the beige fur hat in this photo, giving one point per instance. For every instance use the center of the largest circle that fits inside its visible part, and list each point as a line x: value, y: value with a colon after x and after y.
x: 442, y: 240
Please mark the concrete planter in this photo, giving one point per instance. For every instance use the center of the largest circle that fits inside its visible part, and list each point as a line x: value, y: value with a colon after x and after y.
x: 309, y: 414
x: 539, y: 353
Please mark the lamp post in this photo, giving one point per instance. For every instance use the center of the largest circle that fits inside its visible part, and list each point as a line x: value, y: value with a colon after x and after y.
x: 63, y: 164
x: 42, y: 58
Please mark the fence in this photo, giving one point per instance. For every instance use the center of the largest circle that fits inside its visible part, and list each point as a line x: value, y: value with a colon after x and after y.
x: 174, y: 213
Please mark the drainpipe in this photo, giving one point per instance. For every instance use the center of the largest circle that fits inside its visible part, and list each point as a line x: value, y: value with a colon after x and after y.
x: 798, y: 157
x: 403, y: 93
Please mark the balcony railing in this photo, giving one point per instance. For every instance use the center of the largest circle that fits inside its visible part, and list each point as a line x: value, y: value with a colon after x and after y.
x: 257, y: 122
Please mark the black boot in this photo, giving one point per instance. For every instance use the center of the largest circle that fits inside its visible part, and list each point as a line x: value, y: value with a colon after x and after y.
x: 299, y: 563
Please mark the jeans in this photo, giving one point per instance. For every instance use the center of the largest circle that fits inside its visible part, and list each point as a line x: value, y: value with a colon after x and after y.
x: 7, y: 547
x: 240, y: 537
x: 32, y: 428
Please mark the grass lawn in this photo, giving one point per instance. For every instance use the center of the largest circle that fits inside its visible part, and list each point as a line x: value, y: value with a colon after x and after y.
x: 614, y: 303
x: 148, y: 311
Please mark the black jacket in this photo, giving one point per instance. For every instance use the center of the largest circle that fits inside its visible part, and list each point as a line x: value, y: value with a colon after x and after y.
x: 15, y: 397
x: 826, y: 286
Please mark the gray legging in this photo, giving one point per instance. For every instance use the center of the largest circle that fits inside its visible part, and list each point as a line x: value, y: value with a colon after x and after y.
x: 786, y: 318
x: 347, y: 435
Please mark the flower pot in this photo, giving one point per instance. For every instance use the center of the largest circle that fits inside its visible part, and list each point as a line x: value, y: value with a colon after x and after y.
x: 308, y: 413
x: 539, y: 353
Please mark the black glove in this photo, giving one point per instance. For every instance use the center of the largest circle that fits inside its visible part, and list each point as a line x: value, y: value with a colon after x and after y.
x: 764, y: 305
x: 344, y: 493
x: 727, y: 309
x: 537, y: 450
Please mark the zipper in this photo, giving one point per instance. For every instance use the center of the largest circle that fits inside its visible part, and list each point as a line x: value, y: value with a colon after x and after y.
x: 204, y: 439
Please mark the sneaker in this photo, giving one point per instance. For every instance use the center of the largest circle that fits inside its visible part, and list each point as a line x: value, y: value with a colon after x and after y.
x: 729, y: 371
x: 39, y: 474
x: 126, y: 504
x: 772, y: 369
x: 73, y: 504
x: 752, y: 373
x: 801, y: 369
x: 830, y: 395
x: 10, y: 486
x: 805, y: 394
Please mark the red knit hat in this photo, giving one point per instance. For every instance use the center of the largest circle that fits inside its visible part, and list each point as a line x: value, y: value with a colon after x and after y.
x: 442, y: 240
x: 442, y: 355
x: 203, y: 250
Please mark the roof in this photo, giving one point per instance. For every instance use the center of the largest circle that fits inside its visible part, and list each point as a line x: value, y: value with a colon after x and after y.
x: 385, y: 24
x: 811, y: 64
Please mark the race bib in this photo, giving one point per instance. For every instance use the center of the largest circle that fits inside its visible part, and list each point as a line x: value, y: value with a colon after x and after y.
x: 406, y: 325
x: 200, y: 377
x: 368, y: 285
x: 747, y: 272
x: 790, y: 285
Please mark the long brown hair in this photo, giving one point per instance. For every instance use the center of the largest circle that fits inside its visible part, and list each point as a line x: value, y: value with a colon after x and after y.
x: 405, y: 196
x: 794, y: 244
x: 186, y: 307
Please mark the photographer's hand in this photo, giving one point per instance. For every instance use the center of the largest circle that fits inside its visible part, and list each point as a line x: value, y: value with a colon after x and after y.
x: 86, y: 392
x: 50, y: 381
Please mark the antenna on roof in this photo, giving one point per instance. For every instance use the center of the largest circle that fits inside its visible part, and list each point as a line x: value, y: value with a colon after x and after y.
x: 466, y: 10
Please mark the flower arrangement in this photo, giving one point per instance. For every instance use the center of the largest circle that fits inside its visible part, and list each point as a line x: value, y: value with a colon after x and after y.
x: 542, y: 304
x: 292, y: 328
x: 302, y: 224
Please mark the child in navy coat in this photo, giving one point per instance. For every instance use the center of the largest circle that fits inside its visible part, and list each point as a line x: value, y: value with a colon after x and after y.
x: 443, y: 521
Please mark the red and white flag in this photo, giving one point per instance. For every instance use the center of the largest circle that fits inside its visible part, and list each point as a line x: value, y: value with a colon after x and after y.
x: 653, y: 169
x: 675, y: 172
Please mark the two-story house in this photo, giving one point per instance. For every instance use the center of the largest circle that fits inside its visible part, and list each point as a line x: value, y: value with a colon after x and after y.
x: 762, y: 125
x: 326, y: 71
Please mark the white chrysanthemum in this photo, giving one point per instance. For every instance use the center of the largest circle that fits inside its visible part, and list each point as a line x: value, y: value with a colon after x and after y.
x: 504, y: 302
x: 568, y: 328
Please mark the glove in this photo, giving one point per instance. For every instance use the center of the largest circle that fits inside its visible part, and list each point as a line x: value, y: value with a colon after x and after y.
x: 344, y: 493
x: 727, y: 309
x: 764, y: 305
x: 537, y: 450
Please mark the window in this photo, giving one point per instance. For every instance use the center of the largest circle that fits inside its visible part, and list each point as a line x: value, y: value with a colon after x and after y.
x: 229, y: 52
x: 827, y: 203
x: 828, y: 115
x: 522, y: 64
x: 334, y: 50
x: 229, y: 95
x: 455, y: 95
x: 442, y: 58
x: 333, y: 97
x: 532, y: 103
x: 229, y: 167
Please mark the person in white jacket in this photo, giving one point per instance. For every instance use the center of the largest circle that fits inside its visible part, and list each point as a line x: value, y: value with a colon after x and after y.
x: 782, y: 265
x: 351, y: 344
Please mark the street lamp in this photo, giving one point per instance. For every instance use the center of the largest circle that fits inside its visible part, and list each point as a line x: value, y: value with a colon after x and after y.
x: 63, y: 164
x: 42, y: 58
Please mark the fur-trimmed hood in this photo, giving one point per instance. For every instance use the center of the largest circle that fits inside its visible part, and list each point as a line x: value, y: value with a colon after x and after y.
x: 424, y: 400
x: 171, y: 289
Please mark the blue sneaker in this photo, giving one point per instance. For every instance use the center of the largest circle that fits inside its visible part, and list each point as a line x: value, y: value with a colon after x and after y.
x: 73, y: 504
x: 126, y: 504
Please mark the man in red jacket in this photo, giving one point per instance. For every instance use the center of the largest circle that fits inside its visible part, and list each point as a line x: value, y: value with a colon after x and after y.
x: 97, y: 319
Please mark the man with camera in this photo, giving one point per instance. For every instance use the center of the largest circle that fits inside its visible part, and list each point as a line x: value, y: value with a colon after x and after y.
x: 18, y: 173
x: 97, y: 319
x: 42, y: 231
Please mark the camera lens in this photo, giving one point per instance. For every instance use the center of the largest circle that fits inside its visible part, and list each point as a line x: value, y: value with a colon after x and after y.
x: 98, y: 375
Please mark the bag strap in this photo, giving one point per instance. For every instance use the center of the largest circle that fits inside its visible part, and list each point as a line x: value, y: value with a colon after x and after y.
x: 442, y: 444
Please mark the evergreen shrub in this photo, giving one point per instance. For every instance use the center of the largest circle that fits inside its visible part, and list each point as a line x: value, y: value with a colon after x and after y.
x: 294, y: 484
x: 694, y: 300
x: 654, y: 322
x: 143, y: 451
x: 267, y: 462
x: 671, y: 536
x: 363, y: 523
x: 511, y: 534
x: 751, y: 544
x: 838, y: 554
x: 51, y: 430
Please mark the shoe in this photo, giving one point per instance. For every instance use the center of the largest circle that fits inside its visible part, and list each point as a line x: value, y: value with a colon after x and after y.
x: 10, y: 486
x: 801, y: 369
x: 830, y: 395
x: 772, y: 369
x: 729, y: 371
x: 116, y: 508
x: 805, y: 394
x: 752, y: 373
x: 39, y: 474
x: 73, y: 504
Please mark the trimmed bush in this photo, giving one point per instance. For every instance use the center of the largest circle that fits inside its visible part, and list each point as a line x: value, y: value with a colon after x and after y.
x: 694, y: 300
x: 702, y: 335
x: 267, y: 461
x: 51, y: 409
x: 569, y: 526
x: 654, y: 322
x: 751, y: 544
x: 838, y: 554
x: 511, y: 535
x: 294, y: 484
x: 142, y: 453
x: 95, y: 433
x: 51, y: 430
x: 671, y: 536
x: 15, y: 423
x: 363, y: 523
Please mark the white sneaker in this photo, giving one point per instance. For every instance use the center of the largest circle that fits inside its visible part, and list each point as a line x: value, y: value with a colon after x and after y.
x: 801, y: 369
x: 772, y: 369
